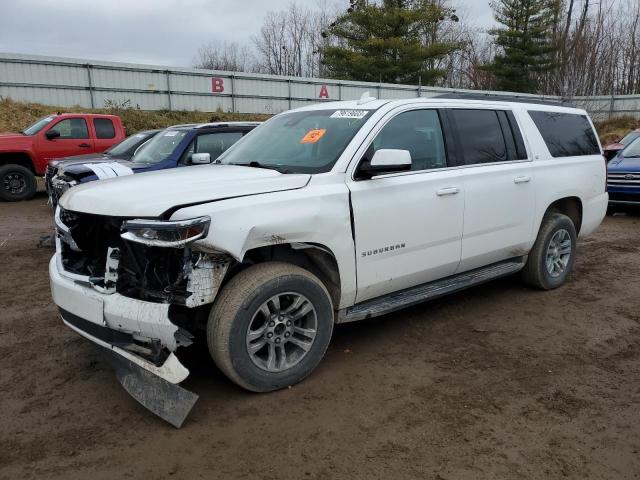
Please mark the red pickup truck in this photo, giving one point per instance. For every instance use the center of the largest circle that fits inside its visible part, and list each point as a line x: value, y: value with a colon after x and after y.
x: 26, y: 154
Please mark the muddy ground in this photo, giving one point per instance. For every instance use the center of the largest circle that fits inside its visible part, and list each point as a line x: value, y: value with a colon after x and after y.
x: 496, y: 382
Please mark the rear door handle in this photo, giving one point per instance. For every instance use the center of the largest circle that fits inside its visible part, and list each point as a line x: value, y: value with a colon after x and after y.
x: 447, y: 191
x: 521, y: 179
x: 84, y: 145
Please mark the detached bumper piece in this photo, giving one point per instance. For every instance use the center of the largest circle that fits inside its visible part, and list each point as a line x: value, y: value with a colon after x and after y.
x: 169, y: 401
x: 153, y: 386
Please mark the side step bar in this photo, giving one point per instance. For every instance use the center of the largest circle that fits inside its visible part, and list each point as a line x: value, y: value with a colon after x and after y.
x: 428, y: 291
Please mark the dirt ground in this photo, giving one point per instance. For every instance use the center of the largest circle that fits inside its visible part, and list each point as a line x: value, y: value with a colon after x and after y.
x: 496, y: 382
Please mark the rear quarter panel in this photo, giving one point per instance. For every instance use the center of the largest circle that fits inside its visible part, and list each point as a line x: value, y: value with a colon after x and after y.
x: 583, y: 177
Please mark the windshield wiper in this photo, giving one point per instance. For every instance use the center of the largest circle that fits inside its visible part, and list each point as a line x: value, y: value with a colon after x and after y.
x: 260, y: 165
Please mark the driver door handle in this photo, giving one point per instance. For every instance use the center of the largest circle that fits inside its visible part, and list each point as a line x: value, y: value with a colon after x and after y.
x: 84, y: 145
x: 521, y: 179
x: 447, y: 191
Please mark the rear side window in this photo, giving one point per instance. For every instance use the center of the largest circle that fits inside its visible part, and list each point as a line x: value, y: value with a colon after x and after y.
x: 104, y: 128
x: 566, y: 134
x: 481, y: 137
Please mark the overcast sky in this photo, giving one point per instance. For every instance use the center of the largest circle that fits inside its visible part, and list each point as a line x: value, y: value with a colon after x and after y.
x: 162, y: 32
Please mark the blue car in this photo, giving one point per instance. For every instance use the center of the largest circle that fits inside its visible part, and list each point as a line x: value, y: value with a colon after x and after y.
x: 177, y: 146
x: 623, y: 177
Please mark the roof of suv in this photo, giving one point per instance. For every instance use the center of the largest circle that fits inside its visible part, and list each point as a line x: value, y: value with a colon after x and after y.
x: 216, y: 125
x: 462, y: 99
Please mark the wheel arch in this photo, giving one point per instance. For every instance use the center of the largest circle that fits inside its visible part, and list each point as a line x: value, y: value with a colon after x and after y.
x: 571, y: 206
x: 18, y: 158
x: 315, y: 258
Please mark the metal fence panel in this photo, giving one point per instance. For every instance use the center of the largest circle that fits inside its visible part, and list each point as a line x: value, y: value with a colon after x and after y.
x: 87, y: 83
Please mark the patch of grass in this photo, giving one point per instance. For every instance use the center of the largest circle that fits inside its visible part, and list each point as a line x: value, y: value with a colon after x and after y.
x: 16, y: 116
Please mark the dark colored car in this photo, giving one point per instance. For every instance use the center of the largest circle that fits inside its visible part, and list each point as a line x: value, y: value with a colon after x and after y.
x: 623, y: 176
x: 120, y: 151
x: 177, y: 146
x: 610, y: 151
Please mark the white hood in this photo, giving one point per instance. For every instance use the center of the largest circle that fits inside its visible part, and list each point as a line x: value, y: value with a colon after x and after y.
x: 153, y: 193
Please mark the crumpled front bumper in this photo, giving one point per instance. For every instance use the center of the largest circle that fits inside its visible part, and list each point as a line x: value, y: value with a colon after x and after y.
x: 119, y: 324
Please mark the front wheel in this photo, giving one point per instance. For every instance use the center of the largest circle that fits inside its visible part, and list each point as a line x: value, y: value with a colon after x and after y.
x: 270, y: 326
x: 17, y: 183
x: 553, y: 254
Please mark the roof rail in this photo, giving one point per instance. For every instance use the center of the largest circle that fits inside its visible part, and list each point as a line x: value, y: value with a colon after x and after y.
x: 227, y: 124
x: 504, y: 98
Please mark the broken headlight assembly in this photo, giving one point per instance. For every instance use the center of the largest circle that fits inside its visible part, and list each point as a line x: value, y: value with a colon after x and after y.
x: 159, y: 233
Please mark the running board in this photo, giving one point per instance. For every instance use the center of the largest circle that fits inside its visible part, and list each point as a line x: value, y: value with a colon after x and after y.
x: 428, y: 291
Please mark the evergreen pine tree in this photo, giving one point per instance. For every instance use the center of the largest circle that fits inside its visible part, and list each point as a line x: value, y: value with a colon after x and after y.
x: 525, y: 41
x: 390, y: 42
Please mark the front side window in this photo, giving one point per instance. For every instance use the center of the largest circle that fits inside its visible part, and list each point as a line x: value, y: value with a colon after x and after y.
x: 161, y: 147
x: 566, y: 134
x: 216, y: 143
x: 480, y: 135
x: 104, y: 128
x: 417, y: 131
x: 71, y: 128
x: 299, y: 142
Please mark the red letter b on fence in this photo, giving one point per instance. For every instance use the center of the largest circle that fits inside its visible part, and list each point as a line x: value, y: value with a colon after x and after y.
x: 217, y: 85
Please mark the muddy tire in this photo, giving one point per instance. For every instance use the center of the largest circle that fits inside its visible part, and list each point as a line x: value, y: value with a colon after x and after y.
x: 553, y: 254
x: 16, y: 183
x: 270, y: 326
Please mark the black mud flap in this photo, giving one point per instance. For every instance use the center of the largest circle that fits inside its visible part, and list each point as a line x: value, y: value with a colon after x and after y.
x: 170, y: 402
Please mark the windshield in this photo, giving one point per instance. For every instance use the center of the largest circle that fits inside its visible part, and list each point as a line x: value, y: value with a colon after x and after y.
x: 127, y: 144
x: 629, y: 137
x: 298, y: 142
x: 632, y: 150
x: 39, y: 125
x: 160, y: 147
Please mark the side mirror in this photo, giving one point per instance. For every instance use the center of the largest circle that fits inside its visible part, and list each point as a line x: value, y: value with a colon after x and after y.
x: 385, y: 161
x: 51, y: 134
x: 200, y: 158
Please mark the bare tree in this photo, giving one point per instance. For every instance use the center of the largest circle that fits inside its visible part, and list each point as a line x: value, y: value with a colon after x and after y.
x: 227, y: 56
x: 289, y: 41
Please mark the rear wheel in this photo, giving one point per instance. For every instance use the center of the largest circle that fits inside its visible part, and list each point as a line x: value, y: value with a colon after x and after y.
x: 16, y: 183
x: 553, y: 254
x: 270, y: 326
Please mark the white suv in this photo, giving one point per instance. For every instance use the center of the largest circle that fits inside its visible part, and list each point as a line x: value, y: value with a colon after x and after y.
x: 325, y: 214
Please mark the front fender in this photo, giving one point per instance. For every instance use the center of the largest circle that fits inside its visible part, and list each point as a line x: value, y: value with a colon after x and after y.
x: 316, y: 214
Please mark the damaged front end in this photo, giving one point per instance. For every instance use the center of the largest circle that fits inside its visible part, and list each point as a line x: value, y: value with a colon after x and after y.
x: 133, y: 286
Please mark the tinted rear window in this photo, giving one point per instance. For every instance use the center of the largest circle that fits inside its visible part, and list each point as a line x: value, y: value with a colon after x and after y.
x: 566, y: 134
x: 104, y: 128
x: 481, y: 136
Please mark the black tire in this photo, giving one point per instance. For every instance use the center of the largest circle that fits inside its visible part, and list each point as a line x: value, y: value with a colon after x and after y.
x: 17, y: 183
x: 238, y: 306
x: 535, y: 272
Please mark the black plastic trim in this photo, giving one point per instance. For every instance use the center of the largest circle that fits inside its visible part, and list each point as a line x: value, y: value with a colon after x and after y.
x: 107, y: 335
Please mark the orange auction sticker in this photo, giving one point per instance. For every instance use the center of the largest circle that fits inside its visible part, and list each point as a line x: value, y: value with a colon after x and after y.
x: 313, y: 136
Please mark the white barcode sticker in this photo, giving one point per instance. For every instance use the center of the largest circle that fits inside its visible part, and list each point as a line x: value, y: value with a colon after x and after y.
x: 349, y: 114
